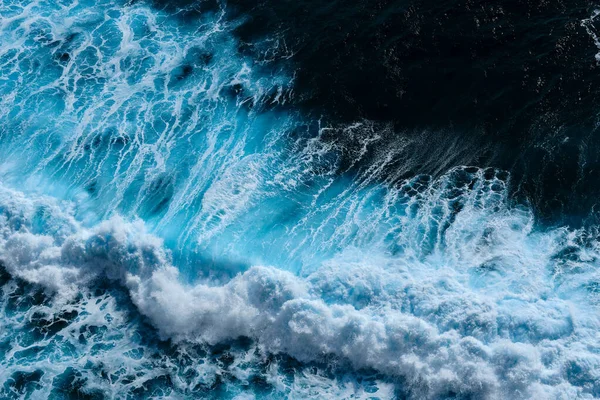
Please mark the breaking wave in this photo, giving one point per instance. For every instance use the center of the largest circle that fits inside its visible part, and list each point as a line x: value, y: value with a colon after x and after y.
x: 170, y: 227
x: 468, y: 299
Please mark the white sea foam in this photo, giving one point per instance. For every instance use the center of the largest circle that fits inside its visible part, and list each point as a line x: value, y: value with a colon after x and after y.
x: 588, y: 24
x: 494, y: 312
x: 438, y: 285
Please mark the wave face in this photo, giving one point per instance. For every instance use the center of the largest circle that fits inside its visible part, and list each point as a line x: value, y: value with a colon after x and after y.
x: 173, y: 226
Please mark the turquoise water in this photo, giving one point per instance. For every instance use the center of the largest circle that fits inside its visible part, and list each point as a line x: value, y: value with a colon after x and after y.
x: 170, y: 227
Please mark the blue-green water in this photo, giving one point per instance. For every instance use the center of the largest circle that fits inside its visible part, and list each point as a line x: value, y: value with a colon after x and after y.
x: 171, y: 226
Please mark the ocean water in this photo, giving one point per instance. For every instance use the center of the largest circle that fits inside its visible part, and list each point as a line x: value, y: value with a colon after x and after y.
x: 179, y: 218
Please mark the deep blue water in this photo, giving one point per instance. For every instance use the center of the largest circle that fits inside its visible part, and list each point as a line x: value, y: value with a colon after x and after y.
x: 235, y: 200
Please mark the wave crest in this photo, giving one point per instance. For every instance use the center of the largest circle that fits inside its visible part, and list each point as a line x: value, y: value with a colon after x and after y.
x: 481, y: 313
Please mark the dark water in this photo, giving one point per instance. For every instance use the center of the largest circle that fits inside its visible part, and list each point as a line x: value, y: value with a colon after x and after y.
x: 299, y: 199
x: 511, y: 84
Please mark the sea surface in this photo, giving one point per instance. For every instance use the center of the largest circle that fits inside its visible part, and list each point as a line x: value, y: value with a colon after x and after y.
x: 277, y: 199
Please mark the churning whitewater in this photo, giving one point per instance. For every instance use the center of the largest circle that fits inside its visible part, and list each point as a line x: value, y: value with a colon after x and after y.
x: 170, y: 227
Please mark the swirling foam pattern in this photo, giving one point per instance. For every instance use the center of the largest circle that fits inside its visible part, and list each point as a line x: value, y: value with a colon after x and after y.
x: 170, y: 229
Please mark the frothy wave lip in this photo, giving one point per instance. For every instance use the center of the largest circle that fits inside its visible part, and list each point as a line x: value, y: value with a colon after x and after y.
x: 500, y: 311
x: 438, y: 285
